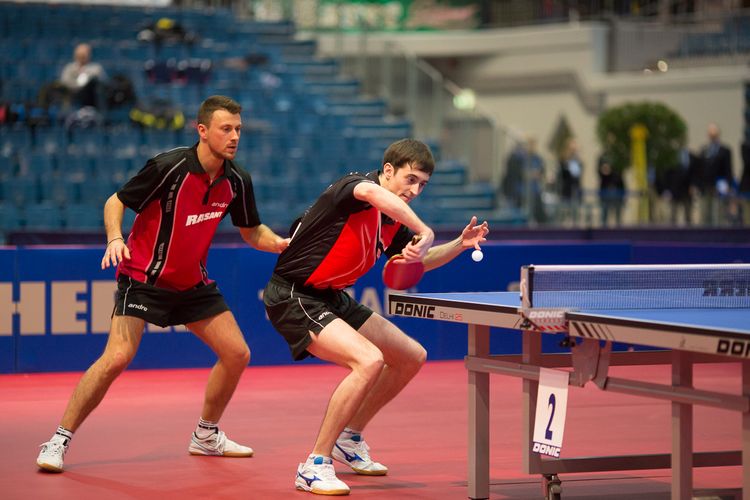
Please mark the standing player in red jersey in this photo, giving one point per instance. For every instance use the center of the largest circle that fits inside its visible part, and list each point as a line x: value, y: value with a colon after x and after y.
x: 180, y: 197
x: 355, y: 220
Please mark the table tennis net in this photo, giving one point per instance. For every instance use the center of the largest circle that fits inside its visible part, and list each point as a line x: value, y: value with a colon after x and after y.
x: 636, y: 287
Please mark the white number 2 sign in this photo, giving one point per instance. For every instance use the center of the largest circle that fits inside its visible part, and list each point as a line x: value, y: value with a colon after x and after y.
x: 551, y: 407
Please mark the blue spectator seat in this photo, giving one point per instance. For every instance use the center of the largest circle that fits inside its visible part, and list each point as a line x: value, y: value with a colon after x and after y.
x: 82, y: 216
x: 22, y: 190
x: 10, y: 217
x: 42, y: 216
x: 38, y: 163
x: 60, y: 189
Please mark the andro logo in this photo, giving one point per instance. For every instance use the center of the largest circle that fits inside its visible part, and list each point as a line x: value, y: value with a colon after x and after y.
x: 739, y: 348
x: 197, y: 219
x: 138, y: 306
x: 323, y: 315
x: 220, y: 204
x: 546, y: 449
x: 726, y: 288
x: 416, y: 310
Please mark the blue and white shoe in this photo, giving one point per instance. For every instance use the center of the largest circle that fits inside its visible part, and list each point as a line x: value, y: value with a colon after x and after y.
x: 356, y: 454
x: 317, y: 476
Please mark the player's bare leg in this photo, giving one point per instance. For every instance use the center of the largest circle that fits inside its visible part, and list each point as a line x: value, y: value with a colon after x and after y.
x: 340, y: 344
x: 125, y: 335
x: 222, y: 334
x: 403, y: 356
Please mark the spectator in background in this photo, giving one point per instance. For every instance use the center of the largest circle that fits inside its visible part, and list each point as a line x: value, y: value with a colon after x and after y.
x: 679, y: 185
x: 535, y: 174
x: 512, y: 185
x: 569, y: 178
x: 611, y: 191
x: 716, y: 180
x: 523, y: 182
x: 83, y: 78
x: 744, y: 188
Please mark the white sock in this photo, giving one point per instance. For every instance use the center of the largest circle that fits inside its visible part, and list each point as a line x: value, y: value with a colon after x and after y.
x: 349, y: 433
x: 205, y: 428
x: 319, y: 459
x: 62, y: 434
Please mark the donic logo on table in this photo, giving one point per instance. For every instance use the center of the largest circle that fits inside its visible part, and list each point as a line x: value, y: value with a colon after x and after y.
x: 734, y: 347
x: 415, y: 310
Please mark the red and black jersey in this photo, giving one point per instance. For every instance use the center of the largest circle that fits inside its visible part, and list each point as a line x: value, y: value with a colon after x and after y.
x: 179, y: 209
x: 339, y: 238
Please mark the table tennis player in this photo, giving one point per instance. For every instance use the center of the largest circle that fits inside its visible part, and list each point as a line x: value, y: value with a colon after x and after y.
x: 337, y: 240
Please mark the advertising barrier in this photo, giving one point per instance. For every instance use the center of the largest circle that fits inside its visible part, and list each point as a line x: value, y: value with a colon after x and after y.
x: 55, y: 302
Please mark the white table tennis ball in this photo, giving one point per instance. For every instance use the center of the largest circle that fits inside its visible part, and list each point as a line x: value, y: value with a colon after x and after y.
x: 477, y: 255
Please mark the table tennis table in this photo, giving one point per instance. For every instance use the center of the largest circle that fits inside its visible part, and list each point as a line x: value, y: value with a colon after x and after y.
x: 704, y: 316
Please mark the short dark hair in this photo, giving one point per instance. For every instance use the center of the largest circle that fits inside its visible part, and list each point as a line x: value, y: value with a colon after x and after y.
x: 215, y: 102
x: 410, y: 151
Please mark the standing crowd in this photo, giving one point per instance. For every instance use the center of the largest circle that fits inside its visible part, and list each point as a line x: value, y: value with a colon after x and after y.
x: 698, y: 188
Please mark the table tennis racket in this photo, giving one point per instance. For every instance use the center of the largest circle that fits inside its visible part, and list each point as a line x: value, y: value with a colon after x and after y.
x: 398, y: 274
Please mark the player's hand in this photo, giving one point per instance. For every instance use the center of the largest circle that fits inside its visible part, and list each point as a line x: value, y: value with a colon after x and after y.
x: 474, y: 234
x: 115, y: 252
x: 282, y: 244
x: 417, y: 248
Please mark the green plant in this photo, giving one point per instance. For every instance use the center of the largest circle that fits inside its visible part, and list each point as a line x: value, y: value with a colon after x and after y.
x: 666, y: 134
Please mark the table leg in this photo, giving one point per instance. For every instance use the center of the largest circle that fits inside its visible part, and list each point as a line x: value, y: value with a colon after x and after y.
x: 479, y: 416
x: 746, y: 433
x: 531, y: 354
x: 682, y: 430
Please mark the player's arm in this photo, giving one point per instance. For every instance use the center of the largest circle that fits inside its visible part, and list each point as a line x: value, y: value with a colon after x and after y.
x: 397, y: 209
x: 471, y: 236
x: 116, y: 250
x: 262, y: 237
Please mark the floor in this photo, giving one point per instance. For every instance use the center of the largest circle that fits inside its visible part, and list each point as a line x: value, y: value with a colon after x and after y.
x: 134, y: 446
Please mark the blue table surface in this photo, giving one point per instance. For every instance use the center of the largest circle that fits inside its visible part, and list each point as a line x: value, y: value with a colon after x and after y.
x: 737, y: 320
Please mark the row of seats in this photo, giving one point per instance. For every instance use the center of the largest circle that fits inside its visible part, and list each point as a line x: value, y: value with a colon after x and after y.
x: 304, y: 122
x: 733, y: 37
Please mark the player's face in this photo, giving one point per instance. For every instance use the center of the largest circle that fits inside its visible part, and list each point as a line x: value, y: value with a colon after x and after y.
x: 223, y: 134
x: 407, y: 182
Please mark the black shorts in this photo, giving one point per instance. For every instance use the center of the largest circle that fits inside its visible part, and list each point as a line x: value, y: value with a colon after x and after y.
x: 296, y: 311
x: 167, y: 307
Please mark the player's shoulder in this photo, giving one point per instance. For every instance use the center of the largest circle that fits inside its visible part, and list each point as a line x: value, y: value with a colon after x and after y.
x: 235, y: 170
x: 172, y: 157
x: 356, y: 177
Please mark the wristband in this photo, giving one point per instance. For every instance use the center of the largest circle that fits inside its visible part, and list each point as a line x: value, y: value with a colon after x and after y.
x: 115, y: 239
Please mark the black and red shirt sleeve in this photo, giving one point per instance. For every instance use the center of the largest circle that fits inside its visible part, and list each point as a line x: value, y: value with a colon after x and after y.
x: 147, y: 185
x: 243, y: 209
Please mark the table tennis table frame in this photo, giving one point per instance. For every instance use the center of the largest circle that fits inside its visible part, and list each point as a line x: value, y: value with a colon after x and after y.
x: 590, y: 360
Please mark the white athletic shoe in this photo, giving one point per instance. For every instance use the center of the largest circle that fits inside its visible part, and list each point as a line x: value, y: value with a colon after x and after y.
x: 218, y: 444
x: 356, y: 454
x: 318, y: 476
x: 51, y: 456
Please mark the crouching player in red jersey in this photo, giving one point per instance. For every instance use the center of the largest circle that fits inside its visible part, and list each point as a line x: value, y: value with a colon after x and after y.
x: 355, y: 220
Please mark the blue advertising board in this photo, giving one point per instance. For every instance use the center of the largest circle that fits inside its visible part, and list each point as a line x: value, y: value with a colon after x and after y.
x: 56, y: 302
